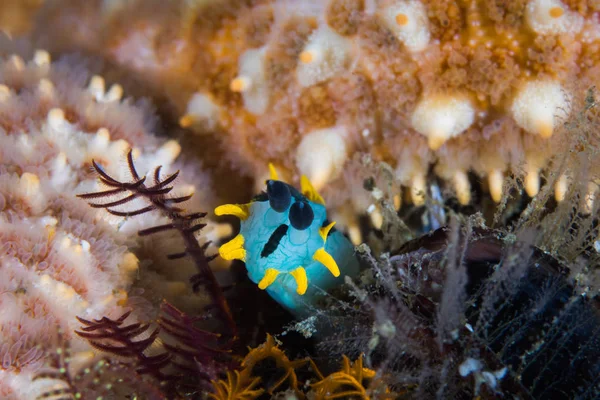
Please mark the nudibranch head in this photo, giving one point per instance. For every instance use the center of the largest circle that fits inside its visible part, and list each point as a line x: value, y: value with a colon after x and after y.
x: 290, y: 248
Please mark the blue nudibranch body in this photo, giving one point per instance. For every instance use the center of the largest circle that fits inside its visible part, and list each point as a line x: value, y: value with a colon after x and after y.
x: 289, y: 247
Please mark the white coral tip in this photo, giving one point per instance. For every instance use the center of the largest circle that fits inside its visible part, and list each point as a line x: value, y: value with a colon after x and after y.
x: 321, y: 155
x: 30, y: 184
x: 440, y: 118
x: 115, y: 93
x: 129, y: 263
x: 56, y: 118
x: 560, y: 187
x: 418, y: 190
x: 41, y: 58
x: 17, y: 62
x: 552, y: 17
x: 496, y: 182
x: 532, y: 182
x: 408, y: 21
x: 200, y: 107
x: 121, y: 146
x: 97, y: 87
x: 354, y: 234
x: 103, y: 135
x: 61, y: 160
x: 46, y: 88
x: 5, y: 93
x: 536, y: 106
x: 376, y: 216
x: 252, y: 82
x: 324, y: 55
x: 462, y: 187
x: 170, y: 150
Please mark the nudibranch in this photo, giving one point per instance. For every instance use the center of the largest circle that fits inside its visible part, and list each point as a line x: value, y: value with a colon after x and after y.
x: 290, y: 248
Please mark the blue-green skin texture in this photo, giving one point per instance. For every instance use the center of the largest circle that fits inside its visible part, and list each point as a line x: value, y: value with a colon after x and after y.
x: 295, y: 249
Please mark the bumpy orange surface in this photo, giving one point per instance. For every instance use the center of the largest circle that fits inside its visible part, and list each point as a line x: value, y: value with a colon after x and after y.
x: 463, y: 86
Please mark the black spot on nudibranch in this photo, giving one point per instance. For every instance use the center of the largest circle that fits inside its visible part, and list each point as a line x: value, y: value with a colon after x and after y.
x: 274, y: 240
x: 279, y: 195
x: 301, y: 215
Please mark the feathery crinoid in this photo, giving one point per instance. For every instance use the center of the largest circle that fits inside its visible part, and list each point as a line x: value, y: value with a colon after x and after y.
x: 192, y: 348
x: 186, y: 224
x: 66, y: 379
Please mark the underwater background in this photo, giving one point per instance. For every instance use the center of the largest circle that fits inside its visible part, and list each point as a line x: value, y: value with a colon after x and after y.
x: 299, y: 199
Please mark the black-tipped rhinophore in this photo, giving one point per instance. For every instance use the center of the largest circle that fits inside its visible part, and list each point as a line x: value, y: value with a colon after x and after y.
x: 279, y: 195
x: 301, y: 215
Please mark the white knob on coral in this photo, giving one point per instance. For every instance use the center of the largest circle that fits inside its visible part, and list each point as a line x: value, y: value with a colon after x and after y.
x: 115, y: 93
x: 440, y: 118
x: 17, y: 62
x: 41, y: 58
x: 46, y: 88
x: 56, y: 119
x: 200, y: 107
x: 537, y: 105
x: 97, y: 87
x: 321, y: 155
x: 102, y: 137
x: 325, y: 55
x: 552, y: 17
x: 30, y: 183
x: 168, y: 152
x: 5, y: 93
x: 252, y: 82
x: 407, y: 20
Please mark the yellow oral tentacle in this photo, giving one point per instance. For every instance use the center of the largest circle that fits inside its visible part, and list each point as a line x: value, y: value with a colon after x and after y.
x: 268, y: 279
x: 234, y: 249
x: 273, y: 172
x: 327, y: 260
x: 299, y: 275
x: 309, y: 191
x: 241, y: 211
x: 324, y: 231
